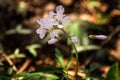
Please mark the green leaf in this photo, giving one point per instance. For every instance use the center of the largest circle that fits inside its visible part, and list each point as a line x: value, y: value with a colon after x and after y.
x: 32, y: 49
x: 51, y: 77
x: 11, y: 31
x: 93, y: 4
x: 24, y: 31
x: 59, y: 58
x: 17, y: 54
x: 10, y: 70
x: 87, y: 78
x: 17, y: 50
x: 113, y: 73
x: 85, y: 40
x: 33, y: 76
x: 21, y: 30
x: 21, y: 55
x: 89, y: 47
x: 65, y: 76
x: 74, y: 29
x: 69, y: 62
x: 29, y: 76
x: 36, y: 76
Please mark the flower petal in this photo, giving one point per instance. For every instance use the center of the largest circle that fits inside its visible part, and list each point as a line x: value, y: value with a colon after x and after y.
x: 49, y: 23
x: 42, y: 34
x: 66, y: 19
x: 38, y: 30
x: 52, y: 41
x: 51, y: 14
x: 40, y: 22
x: 59, y: 9
x: 102, y: 37
x: 53, y: 34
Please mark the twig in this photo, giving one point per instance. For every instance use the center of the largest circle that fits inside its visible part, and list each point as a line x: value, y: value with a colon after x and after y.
x: 9, y: 61
x: 117, y: 29
x: 24, y: 66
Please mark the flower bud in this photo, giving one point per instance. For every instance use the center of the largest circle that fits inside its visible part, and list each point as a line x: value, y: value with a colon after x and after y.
x: 74, y: 40
x: 101, y: 37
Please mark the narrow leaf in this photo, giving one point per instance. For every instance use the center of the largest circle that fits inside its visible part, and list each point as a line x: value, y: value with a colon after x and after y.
x: 69, y: 62
x: 59, y: 58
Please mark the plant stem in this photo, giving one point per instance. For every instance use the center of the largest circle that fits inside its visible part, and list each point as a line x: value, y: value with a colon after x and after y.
x: 76, y: 68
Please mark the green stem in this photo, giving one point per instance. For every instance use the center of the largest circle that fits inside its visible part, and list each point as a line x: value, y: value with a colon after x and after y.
x: 76, y: 68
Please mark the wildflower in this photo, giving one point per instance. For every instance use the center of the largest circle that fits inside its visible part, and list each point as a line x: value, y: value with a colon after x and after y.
x: 46, y: 25
x: 59, y: 13
x: 74, y: 40
x: 61, y: 18
x: 50, y: 24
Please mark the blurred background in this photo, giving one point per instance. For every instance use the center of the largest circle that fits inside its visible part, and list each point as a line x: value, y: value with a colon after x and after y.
x: 19, y: 41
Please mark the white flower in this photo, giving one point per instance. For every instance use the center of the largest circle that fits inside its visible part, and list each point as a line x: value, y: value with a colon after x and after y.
x: 61, y: 18
x: 51, y: 23
x: 59, y: 13
x: 60, y: 9
x: 74, y: 40
x: 46, y: 24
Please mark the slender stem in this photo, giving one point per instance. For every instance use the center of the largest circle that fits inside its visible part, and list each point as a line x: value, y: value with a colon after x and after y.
x: 76, y: 69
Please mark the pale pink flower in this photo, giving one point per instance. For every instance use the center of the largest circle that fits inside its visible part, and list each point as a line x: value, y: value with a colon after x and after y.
x: 60, y: 9
x: 61, y: 18
x: 59, y: 13
x: 41, y: 32
x: 46, y: 24
x: 51, y: 23
x: 74, y: 40
x: 52, y: 41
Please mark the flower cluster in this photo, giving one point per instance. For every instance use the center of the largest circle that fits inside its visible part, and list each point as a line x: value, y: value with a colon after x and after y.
x: 53, y: 22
